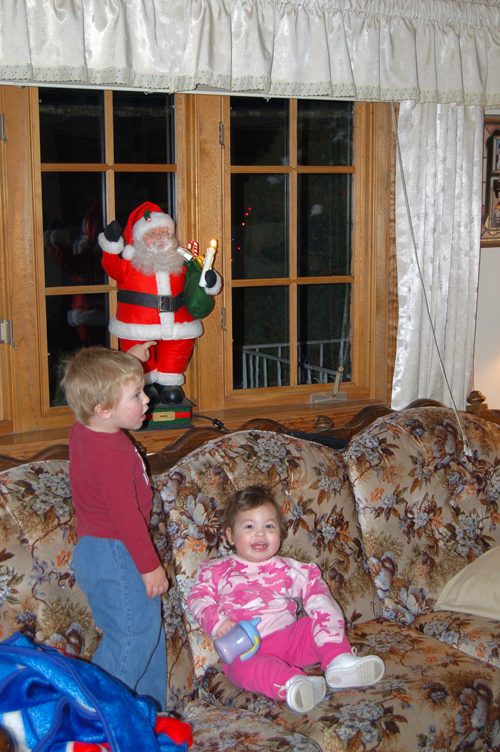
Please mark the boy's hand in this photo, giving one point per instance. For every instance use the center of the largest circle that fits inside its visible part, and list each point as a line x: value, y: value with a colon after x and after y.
x: 156, y: 582
x: 141, y: 350
x: 224, y: 628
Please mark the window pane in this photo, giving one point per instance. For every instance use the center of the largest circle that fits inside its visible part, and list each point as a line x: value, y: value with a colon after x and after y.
x: 71, y: 126
x: 259, y: 217
x: 261, y: 340
x: 72, y: 221
x: 324, y: 224
x: 143, y: 128
x: 323, y: 320
x: 72, y: 322
x: 134, y: 188
x: 259, y: 131
x: 324, y: 133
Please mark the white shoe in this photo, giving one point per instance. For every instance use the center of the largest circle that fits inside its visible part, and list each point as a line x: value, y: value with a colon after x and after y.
x: 347, y: 670
x: 304, y: 692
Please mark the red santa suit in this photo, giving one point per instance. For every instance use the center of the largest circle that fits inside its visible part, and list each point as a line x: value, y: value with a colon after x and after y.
x: 151, y: 306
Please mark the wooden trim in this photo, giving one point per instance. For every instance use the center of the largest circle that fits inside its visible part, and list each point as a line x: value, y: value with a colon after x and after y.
x: 288, y: 169
x: 6, y: 351
x: 207, y: 185
x: 273, y: 282
x: 161, y: 459
x: 20, y: 251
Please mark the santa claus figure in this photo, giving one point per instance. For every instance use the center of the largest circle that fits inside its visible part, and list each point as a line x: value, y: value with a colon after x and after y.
x: 159, y: 297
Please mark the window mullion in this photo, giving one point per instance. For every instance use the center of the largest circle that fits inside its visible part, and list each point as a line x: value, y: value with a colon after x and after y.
x: 292, y: 208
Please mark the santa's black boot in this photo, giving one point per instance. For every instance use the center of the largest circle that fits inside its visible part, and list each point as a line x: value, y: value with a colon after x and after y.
x: 171, y: 395
x: 154, y: 395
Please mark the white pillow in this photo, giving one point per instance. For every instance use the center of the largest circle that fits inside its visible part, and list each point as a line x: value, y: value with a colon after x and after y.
x: 475, y: 589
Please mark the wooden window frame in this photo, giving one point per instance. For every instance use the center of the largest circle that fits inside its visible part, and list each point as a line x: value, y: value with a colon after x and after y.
x: 375, y: 294
x: 202, y: 214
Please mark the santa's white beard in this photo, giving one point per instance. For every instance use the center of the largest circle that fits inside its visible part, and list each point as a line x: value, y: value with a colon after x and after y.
x: 158, y: 257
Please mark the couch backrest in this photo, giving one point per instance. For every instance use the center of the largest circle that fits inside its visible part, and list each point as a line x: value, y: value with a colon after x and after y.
x: 425, y: 508
x: 38, y: 592
x: 309, y: 480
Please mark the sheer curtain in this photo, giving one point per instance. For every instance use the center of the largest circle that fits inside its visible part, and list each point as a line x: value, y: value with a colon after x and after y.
x: 442, y: 148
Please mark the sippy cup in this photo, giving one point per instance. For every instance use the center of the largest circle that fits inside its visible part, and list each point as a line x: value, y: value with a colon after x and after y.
x: 242, y: 640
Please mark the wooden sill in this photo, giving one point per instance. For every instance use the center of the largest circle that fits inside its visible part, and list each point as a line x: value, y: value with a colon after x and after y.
x: 299, y: 417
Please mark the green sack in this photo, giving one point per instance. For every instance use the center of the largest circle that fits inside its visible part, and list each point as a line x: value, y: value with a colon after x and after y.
x: 197, y: 301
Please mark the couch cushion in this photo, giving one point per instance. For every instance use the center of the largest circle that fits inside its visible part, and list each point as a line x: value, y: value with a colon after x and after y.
x: 475, y: 589
x: 474, y: 635
x: 310, y: 482
x: 217, y: 729
x: 426, y: 509
x: 432, y: 698
x: 38, y: 592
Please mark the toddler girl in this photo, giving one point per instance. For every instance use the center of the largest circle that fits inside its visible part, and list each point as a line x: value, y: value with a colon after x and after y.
x: 256, y: 581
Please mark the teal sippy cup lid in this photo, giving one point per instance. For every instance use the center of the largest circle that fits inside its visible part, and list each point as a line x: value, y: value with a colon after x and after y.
x: 250, y: 628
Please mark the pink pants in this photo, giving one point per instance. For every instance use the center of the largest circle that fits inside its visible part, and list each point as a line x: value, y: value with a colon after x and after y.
x: 282, y: 655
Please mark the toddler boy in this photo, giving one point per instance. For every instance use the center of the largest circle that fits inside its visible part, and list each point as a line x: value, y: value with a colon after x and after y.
x: 114, y: 561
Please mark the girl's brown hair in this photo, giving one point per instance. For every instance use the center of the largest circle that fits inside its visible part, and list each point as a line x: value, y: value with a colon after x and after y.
x: 251, y: 497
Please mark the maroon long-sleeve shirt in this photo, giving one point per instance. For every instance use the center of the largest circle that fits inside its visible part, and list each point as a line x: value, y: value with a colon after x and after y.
x: 111, y: 492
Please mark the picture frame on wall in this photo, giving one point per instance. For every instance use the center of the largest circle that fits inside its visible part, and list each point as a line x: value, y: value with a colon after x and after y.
x: 494, y: 214
x: 490, y: 229
x: 496, y: 155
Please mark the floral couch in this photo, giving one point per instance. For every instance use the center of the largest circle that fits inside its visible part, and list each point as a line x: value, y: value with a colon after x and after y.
x: 410, y: 502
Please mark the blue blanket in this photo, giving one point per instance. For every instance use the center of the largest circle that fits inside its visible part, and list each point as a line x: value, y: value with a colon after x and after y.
x: 49, y: 700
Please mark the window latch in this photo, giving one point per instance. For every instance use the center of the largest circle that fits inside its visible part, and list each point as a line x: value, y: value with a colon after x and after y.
x: 7, y: 333
x: 223, y: 319
x: 221, y: 134
x: 2, y: 129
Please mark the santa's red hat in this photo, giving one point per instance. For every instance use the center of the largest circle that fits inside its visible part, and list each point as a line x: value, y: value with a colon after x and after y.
x: 146, y: 217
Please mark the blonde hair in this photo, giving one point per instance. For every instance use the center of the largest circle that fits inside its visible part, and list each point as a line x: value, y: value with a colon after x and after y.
x: 96, y: 376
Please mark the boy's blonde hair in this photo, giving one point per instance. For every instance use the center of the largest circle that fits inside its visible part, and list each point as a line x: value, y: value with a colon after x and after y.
x: 96, y: 376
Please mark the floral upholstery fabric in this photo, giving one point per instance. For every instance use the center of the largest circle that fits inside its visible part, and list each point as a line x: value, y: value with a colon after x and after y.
x: 310, y: 483
x: 38, y: 592
x: 425, y: 511
x: 432, y: 698
x: 217, y: 729
x: 427, y: 508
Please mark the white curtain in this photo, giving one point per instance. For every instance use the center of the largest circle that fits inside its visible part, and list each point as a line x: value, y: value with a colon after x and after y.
x: 385, y: 50
x: 442, y: 147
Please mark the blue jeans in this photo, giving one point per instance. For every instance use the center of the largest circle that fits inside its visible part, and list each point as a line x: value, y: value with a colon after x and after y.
x: 132, y: 648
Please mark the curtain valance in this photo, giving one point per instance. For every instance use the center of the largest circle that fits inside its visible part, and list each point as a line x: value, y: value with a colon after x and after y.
x: 385, y: 50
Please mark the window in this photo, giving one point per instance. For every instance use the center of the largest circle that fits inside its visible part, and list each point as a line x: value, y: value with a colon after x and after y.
x: 292, y: 189
x: 297, y: 193
x: 101, y: 156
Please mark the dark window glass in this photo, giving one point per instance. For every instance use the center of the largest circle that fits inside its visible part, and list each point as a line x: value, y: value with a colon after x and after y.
x: 323, y: 321
x: 261, y: 340
x: 143, y: 128
x: 72, y: 220
x: 73, y: 321
x: 259, y: 232
x: 324, y: 224
x: 134, y: 188
x: 259, y: 131
x: 71, y: 126
x: 324, y: 133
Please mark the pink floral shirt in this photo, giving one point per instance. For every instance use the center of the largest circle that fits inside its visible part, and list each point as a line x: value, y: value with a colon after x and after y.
x: 238, y: 589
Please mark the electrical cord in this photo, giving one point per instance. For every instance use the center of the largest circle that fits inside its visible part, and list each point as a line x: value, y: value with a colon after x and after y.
x: 214, y: 421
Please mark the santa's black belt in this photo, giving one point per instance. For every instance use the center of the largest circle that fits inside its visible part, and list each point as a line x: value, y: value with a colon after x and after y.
x: 162, y: 303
